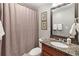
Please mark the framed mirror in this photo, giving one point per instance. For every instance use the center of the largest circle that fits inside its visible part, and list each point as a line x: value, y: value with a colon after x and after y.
x: 62, y: 18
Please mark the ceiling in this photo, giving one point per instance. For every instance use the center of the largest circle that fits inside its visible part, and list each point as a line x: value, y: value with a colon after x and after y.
x: 35, y: 5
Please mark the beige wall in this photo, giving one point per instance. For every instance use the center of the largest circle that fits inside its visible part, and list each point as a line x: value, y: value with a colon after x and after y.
x: 44, y: 33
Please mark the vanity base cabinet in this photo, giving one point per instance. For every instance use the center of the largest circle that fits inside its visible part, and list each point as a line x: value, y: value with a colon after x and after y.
x: 50, y: 51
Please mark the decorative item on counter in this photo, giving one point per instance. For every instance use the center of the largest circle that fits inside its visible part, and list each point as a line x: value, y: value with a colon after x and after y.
x: 68, y: 40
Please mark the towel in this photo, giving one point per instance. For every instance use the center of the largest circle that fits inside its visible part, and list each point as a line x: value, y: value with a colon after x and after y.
x: 54, y: 26
x: 1, y: 31
x: 73, y: 30
x: 60, y: 26
x: 77, y: 27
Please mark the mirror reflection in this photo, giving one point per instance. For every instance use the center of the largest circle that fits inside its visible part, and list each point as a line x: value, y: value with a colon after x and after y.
x: 63, y: 18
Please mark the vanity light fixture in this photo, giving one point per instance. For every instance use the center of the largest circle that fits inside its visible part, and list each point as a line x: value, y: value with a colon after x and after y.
x: 56, y: 4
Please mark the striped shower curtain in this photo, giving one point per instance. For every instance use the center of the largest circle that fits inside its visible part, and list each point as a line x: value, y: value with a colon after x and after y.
x: 21, y: 28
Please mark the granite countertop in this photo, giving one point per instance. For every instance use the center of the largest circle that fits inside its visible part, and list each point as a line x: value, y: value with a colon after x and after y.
x: 73, y: 49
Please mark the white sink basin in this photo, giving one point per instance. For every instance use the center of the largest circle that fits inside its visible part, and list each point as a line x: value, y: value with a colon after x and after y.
x: 59, y: 44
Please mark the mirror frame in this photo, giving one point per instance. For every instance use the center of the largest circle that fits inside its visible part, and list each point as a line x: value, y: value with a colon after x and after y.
x: 74, y: 40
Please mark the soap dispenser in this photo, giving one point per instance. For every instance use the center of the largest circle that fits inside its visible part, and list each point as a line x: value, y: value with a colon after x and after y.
x: 68, y: 40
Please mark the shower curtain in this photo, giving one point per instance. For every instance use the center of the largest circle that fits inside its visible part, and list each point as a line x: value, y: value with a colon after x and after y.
x: 20, y: 25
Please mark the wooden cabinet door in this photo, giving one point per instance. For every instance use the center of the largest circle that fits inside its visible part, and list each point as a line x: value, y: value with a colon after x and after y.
x: 50, y: 51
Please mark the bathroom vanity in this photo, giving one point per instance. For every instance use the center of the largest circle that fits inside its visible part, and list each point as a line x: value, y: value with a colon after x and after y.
x: 51, y: 50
